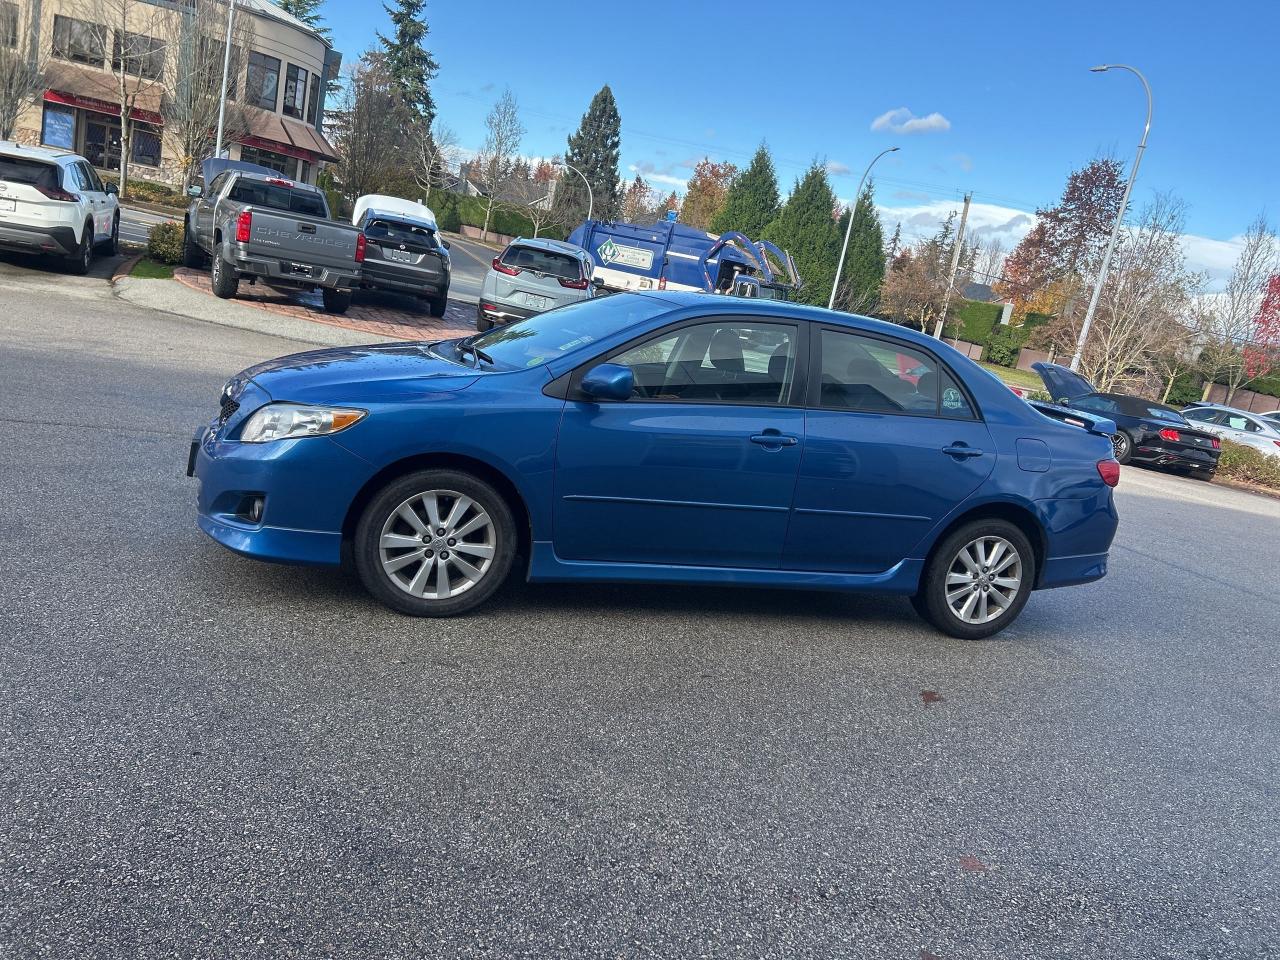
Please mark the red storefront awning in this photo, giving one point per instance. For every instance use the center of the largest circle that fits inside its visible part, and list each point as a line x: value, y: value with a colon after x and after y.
x: 95, y: 90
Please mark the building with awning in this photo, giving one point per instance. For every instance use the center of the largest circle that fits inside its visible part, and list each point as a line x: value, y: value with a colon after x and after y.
x: 276, y: 87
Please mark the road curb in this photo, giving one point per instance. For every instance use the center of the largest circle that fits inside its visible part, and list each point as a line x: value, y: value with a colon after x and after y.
x: 125, y: 267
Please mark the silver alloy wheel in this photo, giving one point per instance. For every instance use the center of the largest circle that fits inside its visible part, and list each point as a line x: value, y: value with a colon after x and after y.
x: 1119, y: 444
x: 437, y: 545
x: 984, y: 579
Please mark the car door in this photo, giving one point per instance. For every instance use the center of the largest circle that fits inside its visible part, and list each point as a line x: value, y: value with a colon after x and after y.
x: 204, y: 211
x: 893, y: 443
x: 699, y: 466
x: 96, y: 195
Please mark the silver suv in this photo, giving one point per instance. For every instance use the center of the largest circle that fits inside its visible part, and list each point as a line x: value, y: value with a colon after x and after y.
x: 533, y: 276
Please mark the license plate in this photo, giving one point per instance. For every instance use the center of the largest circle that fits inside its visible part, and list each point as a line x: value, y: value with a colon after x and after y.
x: 399, y: 256
x: 537, y: 302
x: 8, y: 205
x: 300, y: 268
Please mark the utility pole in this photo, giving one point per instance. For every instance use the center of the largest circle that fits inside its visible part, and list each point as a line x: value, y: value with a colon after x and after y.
x: 226, y: 69
x: 955, y: 264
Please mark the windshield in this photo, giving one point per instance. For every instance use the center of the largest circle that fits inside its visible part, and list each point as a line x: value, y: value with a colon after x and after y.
x: 546, y: 336
x: 260, y: 193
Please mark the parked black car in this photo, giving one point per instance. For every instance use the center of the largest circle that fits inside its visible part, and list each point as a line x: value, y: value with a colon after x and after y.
x: 1147, y: 432
x: 403, y: 253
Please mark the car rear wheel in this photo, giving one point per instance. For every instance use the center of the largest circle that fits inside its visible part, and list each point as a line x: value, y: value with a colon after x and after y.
x: 483, y: 323
x: 1122, y: 446
x: 437, y: 305
x: 335, y: 301
x: 223, y: 278
x: 977, y: 580
x: 82, y: 259
x: 435, y: 543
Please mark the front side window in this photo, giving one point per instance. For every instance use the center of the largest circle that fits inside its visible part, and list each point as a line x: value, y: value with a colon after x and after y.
x: 137, y: 54
x: 295, y: 90
x: 720, y: 362
x: 879, y: 376
x: 263, y: 81
x: 1236, y: 422
x: 79, y: 40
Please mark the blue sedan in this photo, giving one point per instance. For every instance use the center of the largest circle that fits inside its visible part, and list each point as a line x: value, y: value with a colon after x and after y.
x: 663, y: 438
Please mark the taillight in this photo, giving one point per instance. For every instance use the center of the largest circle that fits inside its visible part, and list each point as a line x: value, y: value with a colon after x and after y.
x: 1109, y: 471
x: 244, y: 224
x: 57, y: 193
x: 1276, y: 442
x: 503, y: 268
x: 1217, y: 444
x: 580, y: 284
x: 360, y: 245
x: 281, y: 183
x: 1168, y: 434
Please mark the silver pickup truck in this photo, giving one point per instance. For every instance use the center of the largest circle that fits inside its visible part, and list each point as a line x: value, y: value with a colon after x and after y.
x: 258, y: 226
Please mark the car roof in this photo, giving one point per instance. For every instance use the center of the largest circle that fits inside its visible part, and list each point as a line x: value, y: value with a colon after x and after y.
x: 543, y: 243
x: 36, y: 153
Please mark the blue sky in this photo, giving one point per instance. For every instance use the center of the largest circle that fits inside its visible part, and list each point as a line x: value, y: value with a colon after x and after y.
x: 1017, y: 106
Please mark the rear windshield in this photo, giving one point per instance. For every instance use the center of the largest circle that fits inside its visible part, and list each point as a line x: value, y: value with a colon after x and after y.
x: 33, y: 172
x: 542, y: 261
x: 1137, y: 407
x: 401, y: 233
x: 271, y: 195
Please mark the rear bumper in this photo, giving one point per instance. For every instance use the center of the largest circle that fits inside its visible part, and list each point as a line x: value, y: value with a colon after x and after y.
x: 1159, y: 456
x: 24, y: 238
x: 415, y: 282
x: 277, y: 271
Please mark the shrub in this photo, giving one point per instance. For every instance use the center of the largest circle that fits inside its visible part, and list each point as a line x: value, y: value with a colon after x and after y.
x: 1004, y: 344
x: 1239, y: 462
x: 1187, y: 388
x: 977, y: 319
x: 164, y: 242
x: 446, y: 210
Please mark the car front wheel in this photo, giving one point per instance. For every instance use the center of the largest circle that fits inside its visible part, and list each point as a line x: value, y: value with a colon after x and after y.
x: 435, y: 543
x: 977, y: 580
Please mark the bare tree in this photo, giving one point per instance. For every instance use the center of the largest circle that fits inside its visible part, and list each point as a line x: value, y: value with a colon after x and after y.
x: 22, y: 65
x: 496, y: 164
x: 195, y: 41
x: 435, y: 151
x: 133, y: 35
x: 373, y: 125
x: 988, y: 260
x: 1232, y: 315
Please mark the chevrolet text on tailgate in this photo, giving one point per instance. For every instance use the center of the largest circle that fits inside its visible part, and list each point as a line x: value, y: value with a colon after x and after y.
x: 251, y: 223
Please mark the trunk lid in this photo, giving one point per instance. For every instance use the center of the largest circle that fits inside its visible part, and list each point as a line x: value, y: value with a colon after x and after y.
x: 308, y: 239
x: 1062, y: 383
x: 20, y: 198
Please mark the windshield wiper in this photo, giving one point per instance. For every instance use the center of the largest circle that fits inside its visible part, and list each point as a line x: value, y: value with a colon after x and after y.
x: 466, y: 346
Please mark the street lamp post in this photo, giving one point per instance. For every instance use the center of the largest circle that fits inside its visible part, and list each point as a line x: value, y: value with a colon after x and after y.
x: 1124, y: 203
x: 226, y: 69
x: 590, y: 199
x: 849, y: 229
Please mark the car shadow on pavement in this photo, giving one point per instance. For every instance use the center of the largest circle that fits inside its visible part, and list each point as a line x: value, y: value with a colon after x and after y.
x: 103, y: 268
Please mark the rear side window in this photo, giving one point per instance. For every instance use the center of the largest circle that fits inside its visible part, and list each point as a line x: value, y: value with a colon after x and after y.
x: 548, y: 262
x: 876, y: 376
x: 275, y: 197
x: 33, y: 172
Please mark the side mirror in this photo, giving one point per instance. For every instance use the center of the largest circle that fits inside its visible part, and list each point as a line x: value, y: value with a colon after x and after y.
x: 111, y: 189
x: 447, y: 244
x: 609, y: 381
x: 195, y: 190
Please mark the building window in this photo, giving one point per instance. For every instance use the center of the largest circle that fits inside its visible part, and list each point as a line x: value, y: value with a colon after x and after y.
x: 8, y: 24
x: 268, y: 158
x: 58, y: 128
x: 263, y: 82
x: 146, y: 145
x: 102, y: 142
x: 138, y: 54
x: 209, y: 61
x: 313, y: 98
x: 295, y: 90
x: 79, y: 40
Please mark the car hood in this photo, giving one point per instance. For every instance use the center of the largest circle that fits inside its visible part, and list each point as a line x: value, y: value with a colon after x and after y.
x: 1062, y: 383
x: 368, y: 373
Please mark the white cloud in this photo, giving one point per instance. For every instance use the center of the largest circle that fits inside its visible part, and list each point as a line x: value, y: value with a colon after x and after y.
x: 837, y: 169
x: 655, y: 175
x: 902, y: 120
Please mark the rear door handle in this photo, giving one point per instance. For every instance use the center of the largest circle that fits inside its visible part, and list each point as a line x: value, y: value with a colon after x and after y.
x: 775, y: 439
x: 962, y: 451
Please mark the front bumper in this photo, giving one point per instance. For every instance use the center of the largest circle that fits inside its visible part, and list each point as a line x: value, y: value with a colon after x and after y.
x: 24, y: 238
x: 306, y: 486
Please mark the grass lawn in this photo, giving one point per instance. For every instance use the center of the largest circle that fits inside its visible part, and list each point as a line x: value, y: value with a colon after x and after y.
x: 149, y: 269
x: 1018, y: 378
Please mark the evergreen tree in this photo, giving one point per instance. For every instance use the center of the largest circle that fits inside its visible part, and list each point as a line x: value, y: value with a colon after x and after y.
x: 806, y: 229
x: 593, y: 149
x: 409, y: 61
x: 752, y: 202
x: 864, y: 260
x: 308, y: 11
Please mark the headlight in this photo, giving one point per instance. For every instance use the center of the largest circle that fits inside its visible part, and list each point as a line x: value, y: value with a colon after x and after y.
x: 279, y: 421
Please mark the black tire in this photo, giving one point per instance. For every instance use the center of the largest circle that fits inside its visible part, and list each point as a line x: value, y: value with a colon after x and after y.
x: 483, y: 323
x: 1122, y: 447
x: 931, y: 602
x: 437, y: 305
x: 384, y: 511
x: 112, y: 246
x: 223, y: 279
x: 335, y: 301
x: 1205, y: 475
x: 80, y: 261
x: 192, y: 255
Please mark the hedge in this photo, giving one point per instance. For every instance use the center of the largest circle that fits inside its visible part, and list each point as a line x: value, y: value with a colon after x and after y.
x: 164, y: 242
x: 149, y: 192
x: 1239, y: 462
x: 453, y: 210
x: 1003, y: 345
x: 977, y: 319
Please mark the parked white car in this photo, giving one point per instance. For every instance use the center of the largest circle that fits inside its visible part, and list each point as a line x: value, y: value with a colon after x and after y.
x: 53, y: 202
x: 1238, y: 426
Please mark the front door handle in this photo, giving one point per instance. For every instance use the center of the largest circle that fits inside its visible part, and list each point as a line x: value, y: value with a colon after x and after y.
x: 962, y: 451
x: 772, y: 438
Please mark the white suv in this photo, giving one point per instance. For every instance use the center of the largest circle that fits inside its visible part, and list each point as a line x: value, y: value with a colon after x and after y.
x: 52, y: 201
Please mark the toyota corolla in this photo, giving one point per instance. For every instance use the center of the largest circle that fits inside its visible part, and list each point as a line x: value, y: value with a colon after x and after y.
x: 663, y: 438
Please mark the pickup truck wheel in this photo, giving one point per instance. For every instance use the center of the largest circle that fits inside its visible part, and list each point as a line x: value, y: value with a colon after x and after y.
x: 435, y: 543
x: 224, y: 279
x: 82, y: 259
x: 335, y: 301
x: 977, y: 580
x: 192, y: 256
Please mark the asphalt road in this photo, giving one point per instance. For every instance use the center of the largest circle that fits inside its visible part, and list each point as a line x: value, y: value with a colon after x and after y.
x: 202, y: 756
